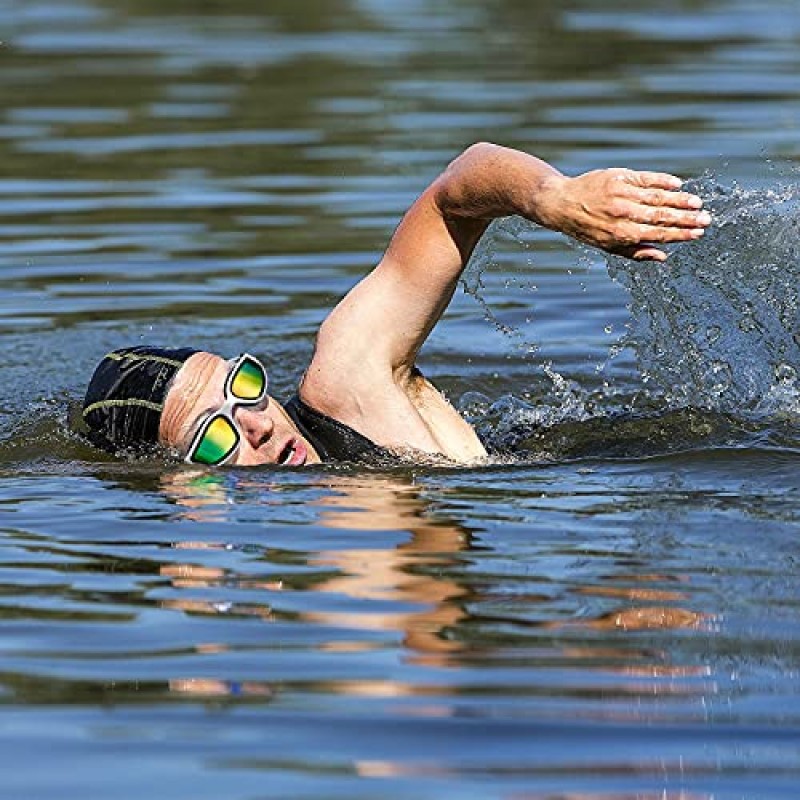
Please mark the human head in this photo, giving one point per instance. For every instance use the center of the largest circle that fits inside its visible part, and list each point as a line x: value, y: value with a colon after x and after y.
x: 126, y: 395
x: 177, y: 402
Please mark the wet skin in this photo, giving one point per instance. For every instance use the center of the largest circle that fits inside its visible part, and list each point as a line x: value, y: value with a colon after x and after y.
x: 268, y: 434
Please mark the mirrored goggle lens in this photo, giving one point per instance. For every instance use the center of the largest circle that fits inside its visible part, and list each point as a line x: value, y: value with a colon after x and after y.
x: 249, y: 382
x: 217, y: 442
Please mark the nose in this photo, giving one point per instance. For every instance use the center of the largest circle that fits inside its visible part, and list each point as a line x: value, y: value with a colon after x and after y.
x: 256, y: 424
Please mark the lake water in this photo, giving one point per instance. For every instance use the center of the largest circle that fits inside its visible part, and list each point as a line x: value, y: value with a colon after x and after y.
x: 614, y: 615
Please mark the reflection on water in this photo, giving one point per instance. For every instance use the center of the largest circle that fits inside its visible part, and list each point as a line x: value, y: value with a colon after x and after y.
x: 421, y: 588
x: 612, y: 617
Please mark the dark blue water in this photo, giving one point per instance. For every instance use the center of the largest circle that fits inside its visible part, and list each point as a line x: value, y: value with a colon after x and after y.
x: 611, y: 615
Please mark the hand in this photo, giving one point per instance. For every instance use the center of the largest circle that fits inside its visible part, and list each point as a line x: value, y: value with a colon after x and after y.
x: 623, y: 211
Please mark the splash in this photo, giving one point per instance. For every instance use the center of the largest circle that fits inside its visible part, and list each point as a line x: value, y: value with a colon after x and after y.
x: 549, y: 397
x: 717, y: 327
x: 483, y: 259
x: 715, y: 332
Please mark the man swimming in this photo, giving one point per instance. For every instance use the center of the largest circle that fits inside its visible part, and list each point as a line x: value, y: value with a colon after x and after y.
x: 363, y: 397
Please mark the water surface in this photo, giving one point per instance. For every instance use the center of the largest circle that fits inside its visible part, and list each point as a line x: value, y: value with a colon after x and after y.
x: 612, y: 615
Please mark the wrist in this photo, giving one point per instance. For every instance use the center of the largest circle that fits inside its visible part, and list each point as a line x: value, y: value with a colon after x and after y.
x: 549, y: 201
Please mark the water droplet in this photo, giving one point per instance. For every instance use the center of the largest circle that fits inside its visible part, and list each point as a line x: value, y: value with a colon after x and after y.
x: 713, y: 332
x: 785, y: 373
x: 719, y: 378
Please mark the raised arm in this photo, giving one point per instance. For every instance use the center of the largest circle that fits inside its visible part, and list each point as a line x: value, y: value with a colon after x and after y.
x: 385, y: 319
x: 621, y: 211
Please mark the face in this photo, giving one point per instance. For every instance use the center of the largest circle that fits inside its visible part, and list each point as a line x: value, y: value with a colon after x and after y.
x: 268, y: 436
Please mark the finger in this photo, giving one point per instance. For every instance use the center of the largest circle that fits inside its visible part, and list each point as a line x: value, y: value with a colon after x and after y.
x: 657, y: 233
x: 670, y: 217
x: 648, y: 253
x: 660, y: 197
x: 654, y: 180
x: 640, y: 252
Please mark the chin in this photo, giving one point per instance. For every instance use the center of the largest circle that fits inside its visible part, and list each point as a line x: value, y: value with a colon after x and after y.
x: 254, y: 459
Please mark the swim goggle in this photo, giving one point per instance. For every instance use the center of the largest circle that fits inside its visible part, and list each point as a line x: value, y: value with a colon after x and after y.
x: 218, y: 438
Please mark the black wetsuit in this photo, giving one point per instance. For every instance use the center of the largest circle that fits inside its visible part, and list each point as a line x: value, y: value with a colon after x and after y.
x: 333, y: 440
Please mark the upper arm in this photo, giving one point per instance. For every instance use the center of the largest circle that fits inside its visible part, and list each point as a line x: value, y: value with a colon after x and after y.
x: 383, y: 321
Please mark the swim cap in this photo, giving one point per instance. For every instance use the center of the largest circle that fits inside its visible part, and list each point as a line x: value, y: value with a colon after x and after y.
x: 125, y: 398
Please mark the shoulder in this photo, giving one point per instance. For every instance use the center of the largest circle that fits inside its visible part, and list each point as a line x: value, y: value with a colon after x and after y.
x: 367, y: 395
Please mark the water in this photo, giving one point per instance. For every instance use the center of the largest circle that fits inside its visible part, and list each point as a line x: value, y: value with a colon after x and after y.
x: 611, y: 615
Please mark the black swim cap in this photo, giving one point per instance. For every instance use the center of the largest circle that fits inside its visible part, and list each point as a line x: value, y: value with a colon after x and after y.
x: 125, y: 398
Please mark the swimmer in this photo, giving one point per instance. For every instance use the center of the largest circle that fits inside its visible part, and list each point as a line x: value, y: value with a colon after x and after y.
x: 362, y: 398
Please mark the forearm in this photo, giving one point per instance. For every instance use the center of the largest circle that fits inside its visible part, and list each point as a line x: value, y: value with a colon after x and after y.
x: 488, y: 181
x: 619, y: 210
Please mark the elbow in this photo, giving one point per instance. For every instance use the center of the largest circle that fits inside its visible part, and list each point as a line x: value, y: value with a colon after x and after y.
x: 476, y: 153
x: 454, y: 190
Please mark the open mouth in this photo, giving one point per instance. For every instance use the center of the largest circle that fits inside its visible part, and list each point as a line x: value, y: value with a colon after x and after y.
x: 293, y: 454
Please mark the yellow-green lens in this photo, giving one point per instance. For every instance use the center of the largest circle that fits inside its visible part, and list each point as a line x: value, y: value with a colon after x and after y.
x: 248, y: 382
x: 218, y: 442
